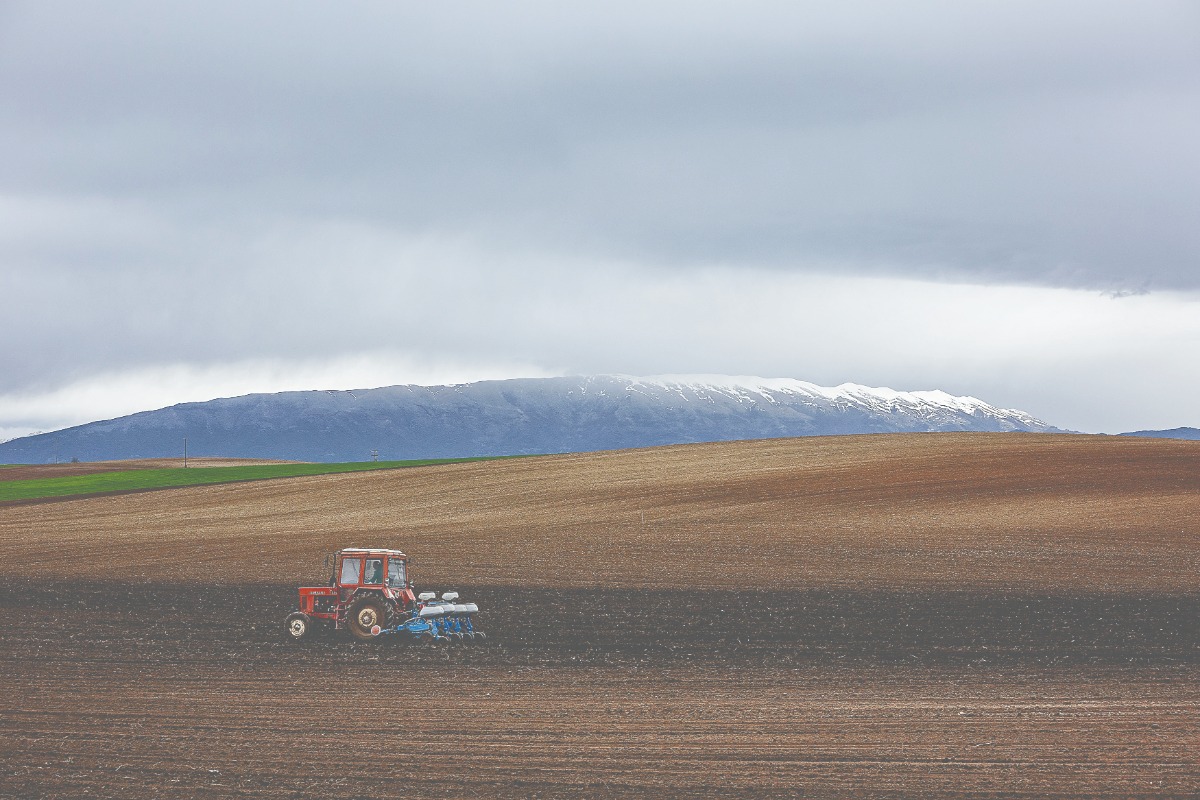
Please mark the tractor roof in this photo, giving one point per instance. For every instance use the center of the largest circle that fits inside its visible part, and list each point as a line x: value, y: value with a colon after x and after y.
x: 370, y: 551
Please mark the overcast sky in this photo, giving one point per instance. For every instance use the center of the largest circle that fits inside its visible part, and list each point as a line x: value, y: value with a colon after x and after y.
x: 999, y: 199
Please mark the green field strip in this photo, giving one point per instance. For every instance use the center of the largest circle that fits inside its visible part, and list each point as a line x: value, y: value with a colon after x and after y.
x: 177, y: 477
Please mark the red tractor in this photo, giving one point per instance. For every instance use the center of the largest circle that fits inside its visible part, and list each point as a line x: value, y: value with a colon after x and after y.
x: 369, y: 594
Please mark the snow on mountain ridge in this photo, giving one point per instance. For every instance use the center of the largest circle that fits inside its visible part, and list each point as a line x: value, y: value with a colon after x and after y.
x: 881, y: 397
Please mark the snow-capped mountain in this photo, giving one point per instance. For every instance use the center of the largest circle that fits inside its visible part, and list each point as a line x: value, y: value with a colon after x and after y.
x: 542, y: 415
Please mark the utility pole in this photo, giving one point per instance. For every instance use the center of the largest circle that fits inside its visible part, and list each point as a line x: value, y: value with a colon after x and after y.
x: 185, y: 452
x: 374, y: 455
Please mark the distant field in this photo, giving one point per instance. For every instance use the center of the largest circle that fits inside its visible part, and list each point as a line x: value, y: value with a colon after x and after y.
x: 131, y: 480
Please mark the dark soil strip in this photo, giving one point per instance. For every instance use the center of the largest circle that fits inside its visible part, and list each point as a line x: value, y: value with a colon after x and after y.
x: 609, y: 626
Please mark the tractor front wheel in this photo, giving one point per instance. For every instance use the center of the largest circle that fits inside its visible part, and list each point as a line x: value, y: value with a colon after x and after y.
x: 365, y: 616
x: 298, y: 626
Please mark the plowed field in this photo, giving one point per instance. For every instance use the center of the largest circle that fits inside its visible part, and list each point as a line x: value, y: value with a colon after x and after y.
x: 893, y: 616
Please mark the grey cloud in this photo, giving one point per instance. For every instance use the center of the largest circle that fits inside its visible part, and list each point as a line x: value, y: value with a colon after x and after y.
x: 157, y: 152
x: 1015, y: 144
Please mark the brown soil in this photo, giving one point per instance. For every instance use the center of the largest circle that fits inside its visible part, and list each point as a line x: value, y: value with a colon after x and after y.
x: 925, y: 616
x: 972, y: 511
x: 140, y: 691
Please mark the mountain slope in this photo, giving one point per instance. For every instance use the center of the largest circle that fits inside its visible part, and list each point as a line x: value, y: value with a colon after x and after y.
x: 545, y: 415
x: 1173, y: 433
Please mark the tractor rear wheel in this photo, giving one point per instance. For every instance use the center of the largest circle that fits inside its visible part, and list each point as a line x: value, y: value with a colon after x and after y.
x: 299, y: 626
x: 365, y: 615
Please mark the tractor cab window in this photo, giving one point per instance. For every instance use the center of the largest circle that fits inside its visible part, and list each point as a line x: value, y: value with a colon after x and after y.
x: 351, y: 570
x: 374, y: 572
x: 396, y: 573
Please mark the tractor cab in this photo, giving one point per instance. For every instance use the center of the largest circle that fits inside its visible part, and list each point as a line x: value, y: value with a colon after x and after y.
x: 358, y: 570
x: 353, y: 568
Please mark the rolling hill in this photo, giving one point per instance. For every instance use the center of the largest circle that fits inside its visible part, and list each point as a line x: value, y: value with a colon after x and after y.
x: 976, y: 511
x: 1173, y: 433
